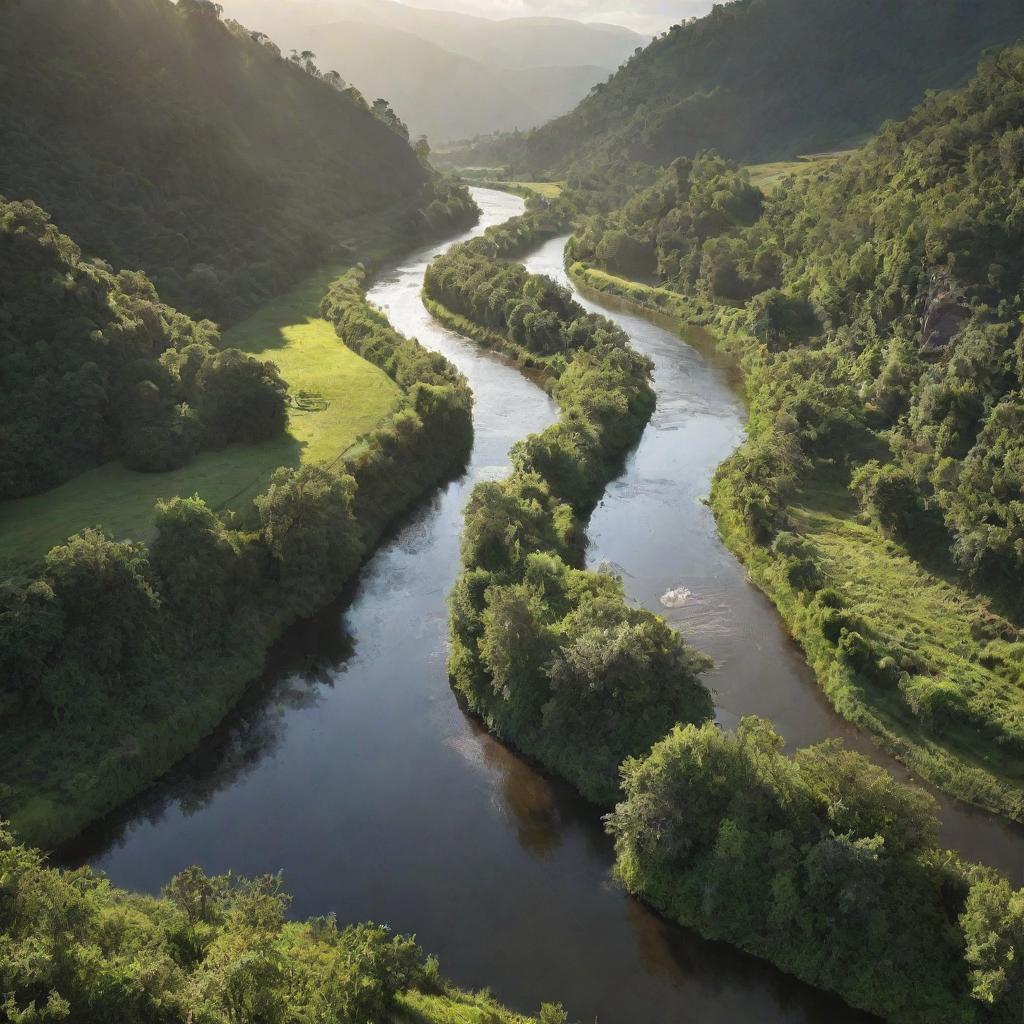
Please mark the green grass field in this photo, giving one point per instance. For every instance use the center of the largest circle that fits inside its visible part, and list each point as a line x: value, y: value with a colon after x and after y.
x: 902, y: 603
x: 915, y: 609
x: 491, y: 177
x: 454, y: 1008
x: 351, y: 397
x: 547, y: 189
x: 768, y: 177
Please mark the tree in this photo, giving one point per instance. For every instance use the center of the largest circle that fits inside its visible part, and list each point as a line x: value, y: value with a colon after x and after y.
x: 383, y: 112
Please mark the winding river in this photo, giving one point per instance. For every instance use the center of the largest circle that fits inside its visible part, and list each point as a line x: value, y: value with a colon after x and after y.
x: 351, y: 767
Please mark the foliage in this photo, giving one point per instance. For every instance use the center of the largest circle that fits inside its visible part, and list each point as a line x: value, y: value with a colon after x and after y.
x: 209, y: 950
x: 121, y: 656
x: 165, y: 139
x: 93, y: 366
x: 881, y: 349
x: 825, y: 865
x: 836, y: 70
x: 551, y: 656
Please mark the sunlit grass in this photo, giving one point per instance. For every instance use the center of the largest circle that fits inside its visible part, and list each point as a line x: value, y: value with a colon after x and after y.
x: 769, y: 176
x: 547, y: 189
x: 352, y: 396
x: 454, y: 1008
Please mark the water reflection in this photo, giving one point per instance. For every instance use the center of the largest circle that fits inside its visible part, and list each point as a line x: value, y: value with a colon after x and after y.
x: 305, y: 662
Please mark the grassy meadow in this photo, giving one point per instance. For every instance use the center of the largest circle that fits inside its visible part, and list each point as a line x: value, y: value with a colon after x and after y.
x: 337, y: 396
x: 547, y: 189
x: 769, y: 176
x: 454, y: 1007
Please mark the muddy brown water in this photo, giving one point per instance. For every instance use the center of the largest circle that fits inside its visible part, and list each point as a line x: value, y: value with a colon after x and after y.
x: 352, y: 769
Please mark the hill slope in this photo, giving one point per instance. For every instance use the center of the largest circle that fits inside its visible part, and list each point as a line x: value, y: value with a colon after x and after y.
x: 161, y: 139
x: 877, y: 305
x: 760, y: 79
x: 449, y: 76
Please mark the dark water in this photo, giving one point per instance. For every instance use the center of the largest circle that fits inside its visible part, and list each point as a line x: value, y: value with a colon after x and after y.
x: 352, y: 769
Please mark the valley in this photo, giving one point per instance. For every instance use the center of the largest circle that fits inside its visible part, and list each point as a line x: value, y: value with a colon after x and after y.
x: 550, y: 494
x: 355, y: 705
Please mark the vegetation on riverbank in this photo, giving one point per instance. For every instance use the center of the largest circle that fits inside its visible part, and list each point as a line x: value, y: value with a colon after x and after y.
x: 117, y: 658
x: 549, y: 655
x: 335, y: 398
x: 94, y: 366
x: 930, y: 610
x: 875, y: 307
x: 208, y: 950
x: 823, y: 864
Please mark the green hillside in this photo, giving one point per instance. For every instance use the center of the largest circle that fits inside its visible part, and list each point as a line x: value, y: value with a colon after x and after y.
x: 876, y: 303
x: 165, y: 140
x: 760, y: 80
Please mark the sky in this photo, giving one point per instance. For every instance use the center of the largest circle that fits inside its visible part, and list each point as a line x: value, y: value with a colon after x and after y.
x: 649, y: 16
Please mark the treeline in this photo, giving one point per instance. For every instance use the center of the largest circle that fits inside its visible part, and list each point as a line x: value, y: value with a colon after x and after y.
x: 876, y: 305
x: 165, y: 139
x: 551, y: 656
x: 823, y: 864
x: 527, y: 316
x: 758, y: 80
x: 208, y: 950
x: 94, y: 367
x: 117, y: 657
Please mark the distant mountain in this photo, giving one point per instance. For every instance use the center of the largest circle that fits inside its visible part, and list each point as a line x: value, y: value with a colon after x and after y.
x: 162, y: 139
x: 447, y: 75
x: 758, y: 79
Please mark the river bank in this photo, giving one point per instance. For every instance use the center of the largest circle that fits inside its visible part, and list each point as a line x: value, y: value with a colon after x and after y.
x: 303, y: 538
x: 968, y: 770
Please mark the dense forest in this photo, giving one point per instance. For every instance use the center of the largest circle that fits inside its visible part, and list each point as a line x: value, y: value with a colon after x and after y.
x: 874, y: 304
x: 208, y: 950
x: 165, y: 140
x: 877, y: 307
x: 93, y: 366
x: 759, y: 80
x: 820, y: 862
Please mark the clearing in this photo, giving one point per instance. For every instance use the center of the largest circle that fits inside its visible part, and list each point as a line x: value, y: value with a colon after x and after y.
x: 339, y: 397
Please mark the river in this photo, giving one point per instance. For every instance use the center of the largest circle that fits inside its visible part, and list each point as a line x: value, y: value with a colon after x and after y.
x: 351, y: 768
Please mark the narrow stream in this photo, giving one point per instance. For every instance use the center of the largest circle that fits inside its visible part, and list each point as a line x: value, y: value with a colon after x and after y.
x: 352, y: 769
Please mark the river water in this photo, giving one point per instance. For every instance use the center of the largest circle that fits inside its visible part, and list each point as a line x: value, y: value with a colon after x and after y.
x: 351, y: 768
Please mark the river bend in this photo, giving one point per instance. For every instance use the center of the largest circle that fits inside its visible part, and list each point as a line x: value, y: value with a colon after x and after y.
x: 352, y: 769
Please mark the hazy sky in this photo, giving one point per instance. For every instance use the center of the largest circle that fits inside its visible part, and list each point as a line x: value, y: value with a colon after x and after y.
x: 642, y: 15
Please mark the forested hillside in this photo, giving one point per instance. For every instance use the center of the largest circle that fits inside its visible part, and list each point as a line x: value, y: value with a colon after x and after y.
x: 164, y: 140
x: 819, y: 861
x: 93, y: 366
x: 448, y: 75
x: 758, y: 79
x: 877, y: 306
